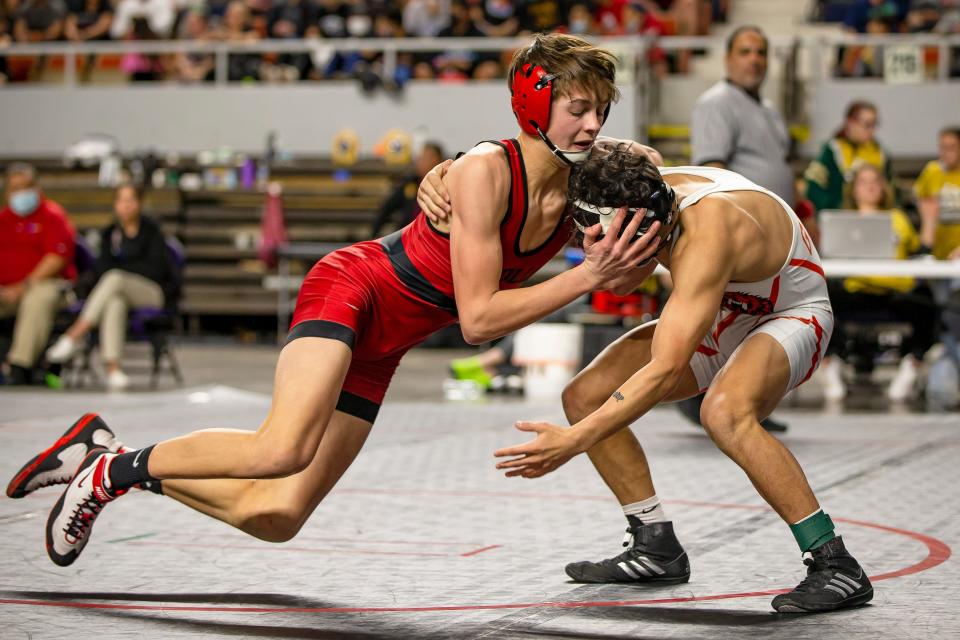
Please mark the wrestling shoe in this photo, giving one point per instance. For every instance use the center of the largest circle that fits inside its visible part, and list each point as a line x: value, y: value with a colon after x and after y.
x: 834, y: 581
x: 72, y: 518
x: 654, y: 556
x: 58, y: 464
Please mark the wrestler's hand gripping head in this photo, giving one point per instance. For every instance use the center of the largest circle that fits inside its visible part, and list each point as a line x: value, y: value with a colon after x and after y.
x: 610, y: 179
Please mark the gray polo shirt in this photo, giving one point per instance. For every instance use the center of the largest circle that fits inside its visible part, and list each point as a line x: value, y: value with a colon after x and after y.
x: 748, y: 136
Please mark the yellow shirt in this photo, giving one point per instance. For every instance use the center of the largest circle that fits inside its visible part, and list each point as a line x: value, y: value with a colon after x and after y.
x: 936, y: 182
x: 907, y: 242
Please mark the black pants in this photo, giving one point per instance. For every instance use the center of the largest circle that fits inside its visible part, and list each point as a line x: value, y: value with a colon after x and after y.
x: 915, y: 308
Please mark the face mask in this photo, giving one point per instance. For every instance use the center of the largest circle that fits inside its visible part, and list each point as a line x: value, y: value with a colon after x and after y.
x: 358, y: 26
x: 24, y: 202
x: 579, y: 26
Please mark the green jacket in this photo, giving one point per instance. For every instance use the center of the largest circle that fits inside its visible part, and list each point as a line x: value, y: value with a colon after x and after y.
x: 828, y: 174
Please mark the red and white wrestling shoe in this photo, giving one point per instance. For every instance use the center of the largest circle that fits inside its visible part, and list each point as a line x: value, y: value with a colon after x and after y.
x: 58, y: 463
x: 72, y: 518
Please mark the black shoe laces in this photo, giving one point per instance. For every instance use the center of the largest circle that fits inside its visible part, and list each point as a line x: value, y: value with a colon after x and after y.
x: 83, y: 516
x: 819, y: 573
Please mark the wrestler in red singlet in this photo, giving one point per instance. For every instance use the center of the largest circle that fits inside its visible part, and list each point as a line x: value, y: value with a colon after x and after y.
x: 382, y: 297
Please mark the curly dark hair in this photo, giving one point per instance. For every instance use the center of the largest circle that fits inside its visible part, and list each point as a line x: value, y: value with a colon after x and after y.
x: 614, y: 178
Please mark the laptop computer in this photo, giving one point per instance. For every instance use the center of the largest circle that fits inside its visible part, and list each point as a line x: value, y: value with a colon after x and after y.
x: 848, y: 234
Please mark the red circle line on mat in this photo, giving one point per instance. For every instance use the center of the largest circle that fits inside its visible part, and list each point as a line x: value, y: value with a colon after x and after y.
x: 937, y: 553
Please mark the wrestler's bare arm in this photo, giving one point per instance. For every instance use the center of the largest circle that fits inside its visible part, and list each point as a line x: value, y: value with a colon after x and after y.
x: 479, y: 186
x: 701, y: 270
x: 701, y: 265
x: 433, y: 196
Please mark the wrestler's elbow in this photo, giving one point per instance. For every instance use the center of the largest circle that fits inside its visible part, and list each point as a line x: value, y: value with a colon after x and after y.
x: 479, y: 335
x: 474, y: 328
x: 669, y: 371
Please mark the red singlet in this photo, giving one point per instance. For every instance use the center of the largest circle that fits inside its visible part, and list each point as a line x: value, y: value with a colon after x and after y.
x: 382, y: 297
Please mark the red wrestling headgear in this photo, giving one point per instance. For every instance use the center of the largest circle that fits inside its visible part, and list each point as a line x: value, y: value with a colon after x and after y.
x: 531, y: 93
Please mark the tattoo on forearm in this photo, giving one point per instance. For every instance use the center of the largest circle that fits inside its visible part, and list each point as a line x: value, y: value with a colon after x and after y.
x: 618, y: 396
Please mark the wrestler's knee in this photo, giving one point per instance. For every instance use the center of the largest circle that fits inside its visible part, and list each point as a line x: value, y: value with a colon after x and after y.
x: 269, y: 517
x: 581, y: 397
x: 278, y: 456
x: 727, y: 418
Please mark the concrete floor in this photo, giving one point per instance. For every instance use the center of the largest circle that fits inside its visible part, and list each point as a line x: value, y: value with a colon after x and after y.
x: 423, y: 538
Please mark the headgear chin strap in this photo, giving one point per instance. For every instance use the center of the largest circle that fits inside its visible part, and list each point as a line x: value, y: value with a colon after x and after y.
x: 531, y: 92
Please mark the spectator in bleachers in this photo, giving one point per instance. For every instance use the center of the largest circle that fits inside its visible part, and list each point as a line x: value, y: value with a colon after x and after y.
x: 36, y: 263
x: 87, y: 21
x: 425, y: 18
x: 858, y: 61
x: 938, y: 198
x: 400, y: 207
x: 639, y: 20
x: 869, y: 193
x: 580, y: 21
x: 852, y: 145
x: 540, y: 16
x: 158, y: 16
x: 236, y: 28
x: 286, y: 20
x: 194, y: 66
x: 39, y: 21
x: 6, y: 27
x: 861, y: 12
x: 495, y: 18
x: 923, y: 15
x: 133, y: 271
x: 483, y: 65
x: 143, y: 20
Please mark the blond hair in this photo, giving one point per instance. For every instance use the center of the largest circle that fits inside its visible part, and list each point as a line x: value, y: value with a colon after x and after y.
x: 887, y: 201
x: 577, y: 64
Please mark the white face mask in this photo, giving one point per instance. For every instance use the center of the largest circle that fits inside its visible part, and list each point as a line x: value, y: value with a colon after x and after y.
x: 24, y: 202
x: 358, y: 26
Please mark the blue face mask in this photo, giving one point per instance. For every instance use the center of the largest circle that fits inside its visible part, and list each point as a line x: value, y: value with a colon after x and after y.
x: 24, y: 202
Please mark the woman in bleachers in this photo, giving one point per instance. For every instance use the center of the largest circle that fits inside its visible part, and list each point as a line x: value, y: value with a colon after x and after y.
x: 938, y: 198
x: 854, y: 144
x: 133, y: 271
x: 870, y: 194
x: 237, y: 28
x: 191, y: 67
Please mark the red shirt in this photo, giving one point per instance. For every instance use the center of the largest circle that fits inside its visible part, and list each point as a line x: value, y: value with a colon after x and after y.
x: 24, y: 241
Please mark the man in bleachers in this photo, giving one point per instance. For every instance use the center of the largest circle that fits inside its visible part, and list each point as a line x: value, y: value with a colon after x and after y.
x: 36, y: 261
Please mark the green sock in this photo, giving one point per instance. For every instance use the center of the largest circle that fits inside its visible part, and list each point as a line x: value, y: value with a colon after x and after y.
x: 813, y: 531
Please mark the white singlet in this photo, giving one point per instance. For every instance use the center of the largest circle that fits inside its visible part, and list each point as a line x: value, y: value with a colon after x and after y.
x: 792, y: 306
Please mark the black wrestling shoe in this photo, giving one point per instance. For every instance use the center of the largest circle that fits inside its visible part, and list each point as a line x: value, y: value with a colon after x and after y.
x: 654, y: 556
x: 834, y: 581
x: 58, y: 463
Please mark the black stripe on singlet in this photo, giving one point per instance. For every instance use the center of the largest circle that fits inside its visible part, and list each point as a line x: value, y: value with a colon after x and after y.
x: 357, y: 406
x: 323, y: 329
x: 411, y: 277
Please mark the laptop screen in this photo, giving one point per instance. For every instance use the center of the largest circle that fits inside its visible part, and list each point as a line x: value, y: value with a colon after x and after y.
x: 850, y: 234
